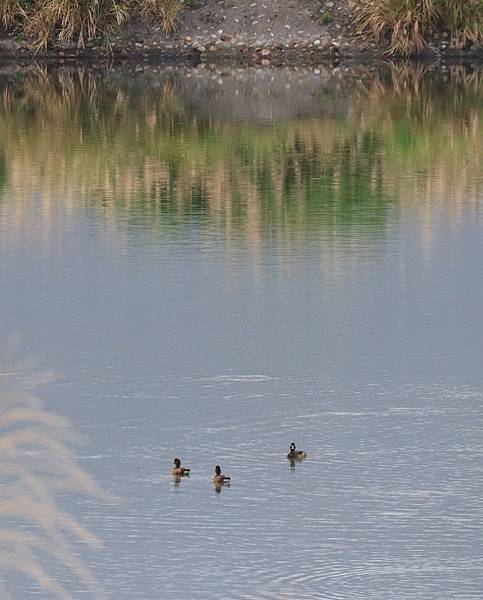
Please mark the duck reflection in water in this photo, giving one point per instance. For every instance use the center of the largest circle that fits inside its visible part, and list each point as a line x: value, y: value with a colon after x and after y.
x: 177, y: 479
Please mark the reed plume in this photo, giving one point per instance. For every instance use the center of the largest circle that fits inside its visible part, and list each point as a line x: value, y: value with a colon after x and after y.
x: 37, y: 467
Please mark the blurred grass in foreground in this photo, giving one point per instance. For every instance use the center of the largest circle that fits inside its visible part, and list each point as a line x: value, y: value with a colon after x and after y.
x: 37, y: 467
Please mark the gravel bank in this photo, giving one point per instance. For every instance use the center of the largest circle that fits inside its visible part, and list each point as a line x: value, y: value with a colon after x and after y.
x: 243, y: 32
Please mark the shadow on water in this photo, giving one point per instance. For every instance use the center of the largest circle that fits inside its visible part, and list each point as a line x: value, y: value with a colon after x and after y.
x: 39, y: 540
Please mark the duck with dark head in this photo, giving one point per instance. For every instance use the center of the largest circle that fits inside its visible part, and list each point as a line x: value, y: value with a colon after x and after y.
x: 178, y: 470
x: 219, y: 478
x: 295, y: 454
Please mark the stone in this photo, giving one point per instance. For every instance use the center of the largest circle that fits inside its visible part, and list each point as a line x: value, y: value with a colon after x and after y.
x: 265, y: 51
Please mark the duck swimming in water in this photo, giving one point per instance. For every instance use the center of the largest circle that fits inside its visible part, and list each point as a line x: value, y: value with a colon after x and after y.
x: 296, y: 454
x: 219, y: 478
x: 178, y: 470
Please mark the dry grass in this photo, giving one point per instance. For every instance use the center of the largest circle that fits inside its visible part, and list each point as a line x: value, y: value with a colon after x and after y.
x: 165, y: 10
x: 74, y: 20
x: 80, y: 21
x: 11, y: 11
x: 407, y: 25
x: 36, y: 466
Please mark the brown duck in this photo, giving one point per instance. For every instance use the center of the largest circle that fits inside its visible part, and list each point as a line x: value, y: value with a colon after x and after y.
x: 219, y: 478
x: 296, y: 454
x: 178, y: 470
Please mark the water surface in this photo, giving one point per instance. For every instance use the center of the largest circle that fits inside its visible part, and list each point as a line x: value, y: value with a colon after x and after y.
x: 218, y: 263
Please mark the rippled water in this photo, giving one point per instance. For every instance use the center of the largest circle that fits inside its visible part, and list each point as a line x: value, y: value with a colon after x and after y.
x: 216, y: 264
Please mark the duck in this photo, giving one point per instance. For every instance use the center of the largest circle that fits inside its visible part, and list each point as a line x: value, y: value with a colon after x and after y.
x: 178, y: 470
x: 296, y: 454
x: 219, y: 478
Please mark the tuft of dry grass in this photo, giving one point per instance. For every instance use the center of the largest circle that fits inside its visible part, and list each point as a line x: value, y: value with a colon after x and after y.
x: 165, y: 11
x: 10, y: 12
x: 80, y: 21
x: 74, y: 20
x: 407, y: 25
x: 465, y: 21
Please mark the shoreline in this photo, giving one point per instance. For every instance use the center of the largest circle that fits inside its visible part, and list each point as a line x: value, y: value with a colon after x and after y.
x: 277, y: 55
x: 238, y: 33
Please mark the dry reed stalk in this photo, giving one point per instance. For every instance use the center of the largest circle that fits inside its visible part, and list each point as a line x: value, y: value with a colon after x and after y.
x: 37, y: 465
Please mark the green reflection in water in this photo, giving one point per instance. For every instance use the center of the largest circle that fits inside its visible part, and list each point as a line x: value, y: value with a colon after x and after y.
x: 146, y: 152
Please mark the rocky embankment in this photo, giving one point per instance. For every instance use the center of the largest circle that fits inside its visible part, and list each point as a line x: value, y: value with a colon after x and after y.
x: 238, y: 32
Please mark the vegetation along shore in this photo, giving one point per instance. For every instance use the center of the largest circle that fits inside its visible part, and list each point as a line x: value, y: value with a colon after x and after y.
x: 243, y: 31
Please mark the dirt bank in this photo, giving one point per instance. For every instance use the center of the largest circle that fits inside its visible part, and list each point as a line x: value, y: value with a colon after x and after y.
x: 236, y: 32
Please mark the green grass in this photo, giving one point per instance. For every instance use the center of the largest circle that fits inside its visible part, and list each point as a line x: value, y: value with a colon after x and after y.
x: 409, y: 24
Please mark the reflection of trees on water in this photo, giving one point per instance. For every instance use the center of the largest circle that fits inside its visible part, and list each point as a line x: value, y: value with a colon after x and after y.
x: 141, y: 159
x: 37, y: 468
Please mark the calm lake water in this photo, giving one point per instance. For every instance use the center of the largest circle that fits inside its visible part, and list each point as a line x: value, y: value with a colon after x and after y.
x: 217, y: 264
